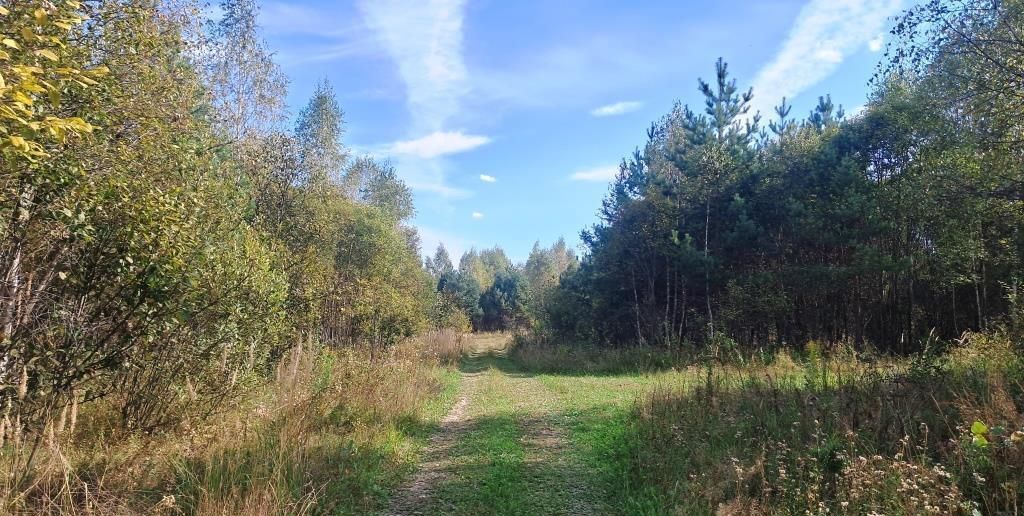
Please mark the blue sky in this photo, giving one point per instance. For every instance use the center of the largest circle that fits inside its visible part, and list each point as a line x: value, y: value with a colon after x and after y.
x: 508, y: 117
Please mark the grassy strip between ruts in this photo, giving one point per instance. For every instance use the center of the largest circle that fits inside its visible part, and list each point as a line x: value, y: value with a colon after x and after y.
x: 514, y: 457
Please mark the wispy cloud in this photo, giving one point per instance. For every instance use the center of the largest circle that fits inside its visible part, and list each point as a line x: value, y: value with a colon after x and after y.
x: 604, y: 173
x: 488, y: 179
x: 324, y: 53
x: 477, y: 215
x: 425, y: 40
x: 825, y: 33
x: 316, y: 35
x: 618, y: 108
x: 572, y: 73
x: 441, y: 143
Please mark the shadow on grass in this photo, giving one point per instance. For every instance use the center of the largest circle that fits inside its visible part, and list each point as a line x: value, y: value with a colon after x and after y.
x: 524, y: 361
x: 476, y: 363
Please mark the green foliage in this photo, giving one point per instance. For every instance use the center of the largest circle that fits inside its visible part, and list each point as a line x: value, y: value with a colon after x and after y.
x: 881, y: 229
x: 128, y: 273
x: 504, y: 302
x: 37, y: 70
x: 164, y: 240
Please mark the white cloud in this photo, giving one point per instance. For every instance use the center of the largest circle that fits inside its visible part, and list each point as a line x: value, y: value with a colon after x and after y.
x: 326, y: 34
x: 477, y: 215
x: 576, y: 73
x: 825, y: 33
x: 876, y: 43
x: 441, y: 143
x: 322, y: 54
x: 425, y: 40
x: 618, y: 108
x: 488, y: 179
x: 605, y: 173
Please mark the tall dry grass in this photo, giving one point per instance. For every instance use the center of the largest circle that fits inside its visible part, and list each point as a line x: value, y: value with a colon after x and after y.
x: 446, y: 345
x: 331, y: 433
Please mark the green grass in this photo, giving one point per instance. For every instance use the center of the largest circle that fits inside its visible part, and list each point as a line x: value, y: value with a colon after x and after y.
x: 890, y: 436
x: 514, y: 456
x: 496, y: 470
x: 599, y: 414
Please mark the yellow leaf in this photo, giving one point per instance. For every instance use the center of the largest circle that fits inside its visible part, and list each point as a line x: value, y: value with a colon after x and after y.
x: 4, y: 11
x: 79, y: 125
x: 74, y: 4
x: 4, y: 56
x: 8, y: 42
x: 21, y: 97
x: 28, y: 34
x: 2, y: 83
x: 18, y: 142
x: 47, y: 54
x: 40, y: 16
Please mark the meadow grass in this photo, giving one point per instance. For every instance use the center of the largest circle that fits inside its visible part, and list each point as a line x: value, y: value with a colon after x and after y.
x: 811, y: 432
x: 332, y: 433
x: 823, y: 433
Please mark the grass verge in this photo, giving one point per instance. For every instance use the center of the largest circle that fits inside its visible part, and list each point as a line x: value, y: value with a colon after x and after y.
x: 333, y: 433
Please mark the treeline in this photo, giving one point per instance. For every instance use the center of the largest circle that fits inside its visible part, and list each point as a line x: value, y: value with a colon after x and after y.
x: 887, y: 226
x: 487, y: 292
x: 165, y: 238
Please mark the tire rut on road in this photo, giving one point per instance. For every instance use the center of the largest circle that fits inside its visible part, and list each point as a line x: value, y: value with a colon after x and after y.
x: 552, y: 476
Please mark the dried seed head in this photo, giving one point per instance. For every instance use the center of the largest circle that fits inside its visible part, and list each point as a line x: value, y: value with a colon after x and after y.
x: 74, y: 413
x: 23, y: 385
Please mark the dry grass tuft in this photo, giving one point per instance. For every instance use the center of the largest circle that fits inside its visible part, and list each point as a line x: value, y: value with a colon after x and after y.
x: 446, y: 346
x: 330, y: 433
